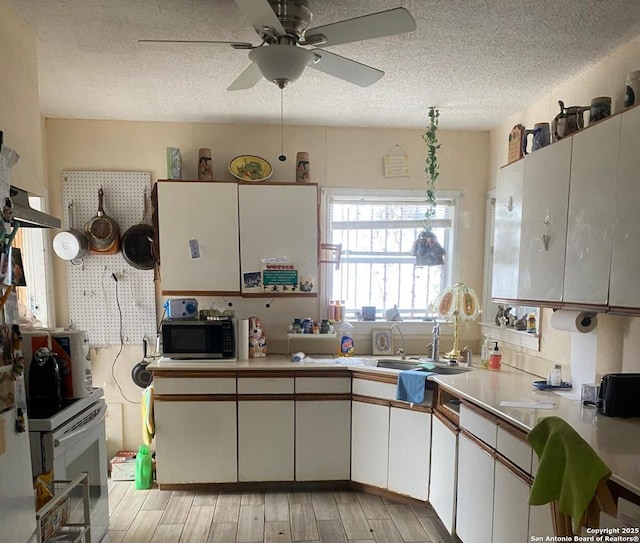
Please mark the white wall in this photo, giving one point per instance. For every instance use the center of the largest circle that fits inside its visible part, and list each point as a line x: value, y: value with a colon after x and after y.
x: 618, y: 337
x: 19, y: 102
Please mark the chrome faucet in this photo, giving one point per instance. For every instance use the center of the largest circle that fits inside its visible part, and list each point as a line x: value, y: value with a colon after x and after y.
x: 402, y: 350
x: 435, y: 351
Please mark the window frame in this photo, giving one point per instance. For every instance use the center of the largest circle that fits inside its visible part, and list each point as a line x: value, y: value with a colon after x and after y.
x: 329, y: 193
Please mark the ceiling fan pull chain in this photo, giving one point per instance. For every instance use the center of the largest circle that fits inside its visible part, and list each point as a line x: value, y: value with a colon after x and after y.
x: 282, y: 157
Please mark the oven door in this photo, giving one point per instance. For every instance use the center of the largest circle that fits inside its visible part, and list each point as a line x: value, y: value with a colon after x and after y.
x: 78, y: 446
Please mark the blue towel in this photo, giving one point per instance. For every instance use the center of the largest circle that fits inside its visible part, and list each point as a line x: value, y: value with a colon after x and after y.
x: 411, y: 385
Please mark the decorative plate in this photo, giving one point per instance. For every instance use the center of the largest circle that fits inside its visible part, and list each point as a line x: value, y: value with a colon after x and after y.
x: 543, y: 385
x: 250, y: 168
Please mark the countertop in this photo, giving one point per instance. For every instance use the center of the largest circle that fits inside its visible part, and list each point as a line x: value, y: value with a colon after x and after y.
x: 616, y: 440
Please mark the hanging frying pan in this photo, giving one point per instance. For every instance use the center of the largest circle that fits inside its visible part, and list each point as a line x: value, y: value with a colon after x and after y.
x: 140, y: 375
x: 137, y: 243
x: 102, y: 231
x: 71, y: 244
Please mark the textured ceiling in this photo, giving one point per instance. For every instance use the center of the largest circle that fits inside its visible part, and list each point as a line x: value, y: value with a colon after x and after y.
x: 479, y: 61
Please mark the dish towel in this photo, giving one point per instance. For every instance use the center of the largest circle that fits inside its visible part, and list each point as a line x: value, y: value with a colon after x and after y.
x: 148, y: 422
x: 411, y: 384
x: 569, y: 471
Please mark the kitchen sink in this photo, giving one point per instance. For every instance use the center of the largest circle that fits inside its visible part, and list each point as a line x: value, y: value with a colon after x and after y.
x: 439, y: 367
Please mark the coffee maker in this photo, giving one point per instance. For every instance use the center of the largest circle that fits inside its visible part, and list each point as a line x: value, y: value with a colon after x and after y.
x: 45, y: 385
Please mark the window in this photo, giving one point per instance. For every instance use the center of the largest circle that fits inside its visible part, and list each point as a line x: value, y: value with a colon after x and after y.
x: 376, y: 230
x: 34, y: 299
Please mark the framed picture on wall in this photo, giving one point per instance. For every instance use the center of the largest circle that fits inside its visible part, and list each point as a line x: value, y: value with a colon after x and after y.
x: 381, y: 343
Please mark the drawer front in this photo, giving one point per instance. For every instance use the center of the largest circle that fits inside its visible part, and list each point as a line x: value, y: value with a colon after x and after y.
x: 323, y: 385
x: 195, y: 385
x: 265, y: 385
x: 375, y: 389
x: 514, y: 449
x: 481, y: 427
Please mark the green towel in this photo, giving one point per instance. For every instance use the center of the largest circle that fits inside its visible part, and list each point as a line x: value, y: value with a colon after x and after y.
x: 569, y: 469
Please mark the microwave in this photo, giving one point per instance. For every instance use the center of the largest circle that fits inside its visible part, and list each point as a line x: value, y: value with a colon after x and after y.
x: 191, y: 339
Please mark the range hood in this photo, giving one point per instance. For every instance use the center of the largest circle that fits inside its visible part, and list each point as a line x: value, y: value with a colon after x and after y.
x: 26, y: 215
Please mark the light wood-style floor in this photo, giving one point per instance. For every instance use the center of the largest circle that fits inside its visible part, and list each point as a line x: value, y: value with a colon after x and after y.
x: 271, y: 517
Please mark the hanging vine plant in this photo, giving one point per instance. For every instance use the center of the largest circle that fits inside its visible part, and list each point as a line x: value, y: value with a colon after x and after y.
x: 426, y: 249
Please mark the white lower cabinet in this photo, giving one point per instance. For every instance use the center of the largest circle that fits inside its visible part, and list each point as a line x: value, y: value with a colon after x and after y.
x: 323, y: 438
x: 474, y: 508
x: 369, y: 443
x: 510, y: 507
x: 265, y: 440
x: 196, y: 442
x: 444, y: 462
x: 409, y: 447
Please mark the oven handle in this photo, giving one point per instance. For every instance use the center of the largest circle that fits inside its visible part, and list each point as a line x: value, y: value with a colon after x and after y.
x: 94, y: 422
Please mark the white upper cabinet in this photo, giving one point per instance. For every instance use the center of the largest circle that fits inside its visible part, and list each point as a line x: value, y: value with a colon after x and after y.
x: 199, y: 240
x: 594, y: 163
x: 279, y: 220
x: 543, y: 235
x: 624, y: 291
x: 215, y: 235
x: 507, y: 231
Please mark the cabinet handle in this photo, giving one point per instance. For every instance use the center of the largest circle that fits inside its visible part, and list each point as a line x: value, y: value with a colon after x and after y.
x: 509, y: 205
x: 546, y: 237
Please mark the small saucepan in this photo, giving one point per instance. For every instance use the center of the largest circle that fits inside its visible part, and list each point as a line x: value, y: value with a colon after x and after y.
x: 102, y: 231
x: 71, y: 244
x: 137, y: 243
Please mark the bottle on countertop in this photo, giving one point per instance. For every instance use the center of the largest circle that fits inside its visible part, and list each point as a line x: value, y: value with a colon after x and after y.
x: 331, y: 311
x: 485, y: 352
x: 338, y: 311
x: 345, y: 339
x: 555, y: 377
x: 495, y: 359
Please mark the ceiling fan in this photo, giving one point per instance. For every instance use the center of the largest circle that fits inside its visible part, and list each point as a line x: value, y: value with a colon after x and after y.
x: 283, y: 26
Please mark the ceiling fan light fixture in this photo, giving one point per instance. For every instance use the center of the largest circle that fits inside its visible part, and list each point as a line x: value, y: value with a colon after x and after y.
x: 281, y: 64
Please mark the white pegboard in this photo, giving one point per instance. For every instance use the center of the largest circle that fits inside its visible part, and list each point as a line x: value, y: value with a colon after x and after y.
x: 109, y: 311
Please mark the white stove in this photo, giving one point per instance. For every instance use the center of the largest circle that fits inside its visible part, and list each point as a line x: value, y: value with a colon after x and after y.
x: 69, y: 438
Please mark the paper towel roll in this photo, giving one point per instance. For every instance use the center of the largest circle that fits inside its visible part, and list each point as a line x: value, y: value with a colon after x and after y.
x: 243, y: 339
x: 581, y: 322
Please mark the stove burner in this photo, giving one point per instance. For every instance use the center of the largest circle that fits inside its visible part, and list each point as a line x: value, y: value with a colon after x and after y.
x: 45, y: 409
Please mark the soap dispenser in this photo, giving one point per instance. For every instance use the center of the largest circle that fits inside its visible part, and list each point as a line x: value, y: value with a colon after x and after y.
x: 495, y: 358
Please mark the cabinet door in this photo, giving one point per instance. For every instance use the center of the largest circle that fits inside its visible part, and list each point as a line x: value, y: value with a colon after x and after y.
x: 369, y: 443
x: 474, y: 508
x: 507, y: 231
x: 279, y: 220
x: 414, y: 428
x: 265, y: 440
x: 196, y: 442
x: 510, y: 506
x: 545, y: 196
x: 442, y: 486
x: 624, y: 290
x: 594, y: 163
x: 323, y: 440
x: 208, y: 214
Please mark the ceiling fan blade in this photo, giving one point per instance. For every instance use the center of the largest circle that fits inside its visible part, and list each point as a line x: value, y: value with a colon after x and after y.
x: 376, y: 25
x: 234, y: 44
x: 261, y: 15
x: 344, y: 68
x: 247, y: 79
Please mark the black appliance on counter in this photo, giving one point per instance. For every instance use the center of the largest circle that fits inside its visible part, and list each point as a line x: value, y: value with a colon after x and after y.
x: 45, y: 384
x: 618, y: 396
